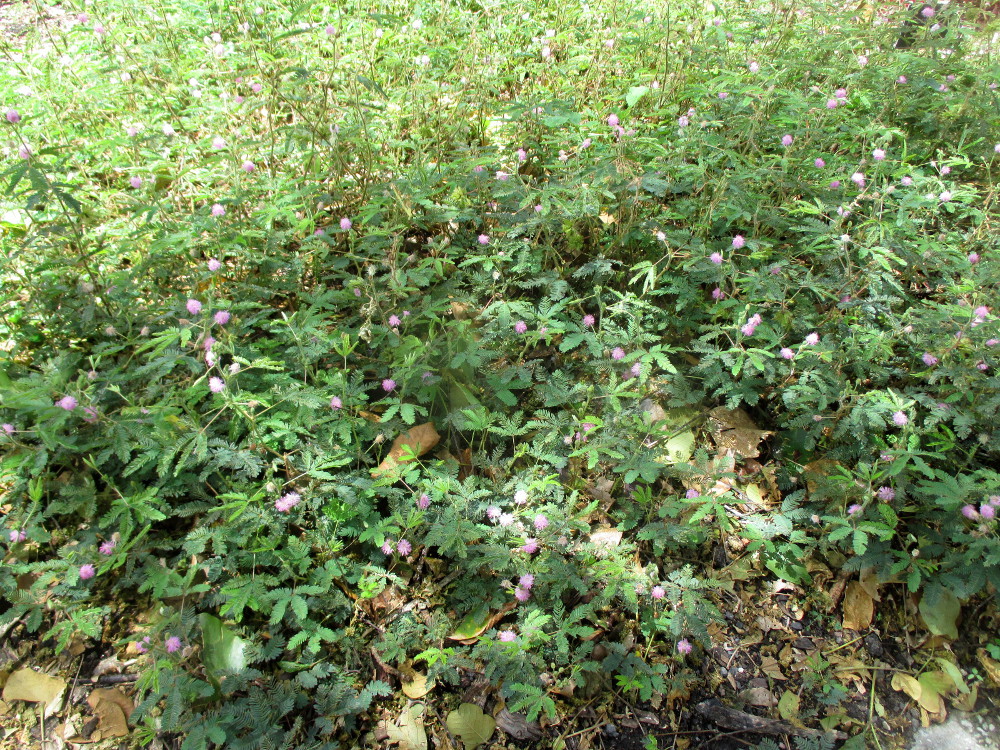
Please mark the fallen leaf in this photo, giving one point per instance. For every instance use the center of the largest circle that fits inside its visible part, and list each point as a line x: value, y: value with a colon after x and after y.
x: 471, y: 725
x: 605, y: 537
x: 934, y: 685
x: 870, y: 582
x: 907, y: 684
x: 940, y: 609
x: 35, y: 687
x: 413, y: 443
x: 735, y: 432
x: 112, y: 707
x: 478, y: 622
x: 759, y: 696
x: 417, y: 687
x: 408, y: 730
x: 788, y: 706
x: 990, y: 666
x: 769, y: 666
x: 858, y: 607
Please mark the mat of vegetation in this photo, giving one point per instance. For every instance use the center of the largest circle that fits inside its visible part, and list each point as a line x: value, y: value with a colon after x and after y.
x: 359, y: 360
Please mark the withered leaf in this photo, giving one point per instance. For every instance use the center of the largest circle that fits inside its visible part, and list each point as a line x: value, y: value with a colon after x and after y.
x: 416, y: 442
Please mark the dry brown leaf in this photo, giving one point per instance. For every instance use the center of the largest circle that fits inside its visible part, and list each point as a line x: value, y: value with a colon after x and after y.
x: 408, y: 730
x: 735, y: 432
x: 858, y: 607
x: 417, y: 441
x: 605, y: 538
x: 769, y: 666
x: 759, y: 696
x: 990, y: 666
x: 112, y: 708
x: 417, y: 687
x: 907, y: 684
x: 35, y: 687
x: 869, y: 581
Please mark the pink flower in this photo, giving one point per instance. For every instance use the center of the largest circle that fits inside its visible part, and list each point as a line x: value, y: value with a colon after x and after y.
x: 214, y: 264
x: 107, y: 547
x: 506, y: 519
x: 216, y: 385
x: 683, y: 646
x: 520, y: 327
x: 657, y: 592
x: 717, y: 293
x: 723, y: 95
x: 834, y: 184
x: 878, y: 154
x: 526, y: 581
x: 588, y: 321
x: 812, y: 339
x: 858, y: 179
x: 13, y: 116
x: 853, y: 509
x: 787, y: 353
x: 424, y: 501
x: 786, y: 140
x: 900, y: 419
x: 218, y: 142
x: 135, y: 182
x: 522, y: 594
x: 143, y: 645
x: 927, y: 11
x: 193, y: 306
x: 886, y: 493
x: 493, y: 512
x: 218, y: 209
x: 249, y: 166
x: 945, y: 196
x: 987, y: 511
x: 508, y: 636
x: 8, y: 428
x: 832, y: 103
x: 345, y: 224
x: 336, y: 403
x: 738, y: 242
x: 840, y: 93
x: 683, y: 121
x: 992, y: 342
x: 901, y: 79
x: 484, y: 239
x: 973, y: 258
x: 87, y: 571
x: 716, y: 258
x: 862, y: 60
x: 906, y: 181
x: 90, y: 414
x: 692, y: 493
x: 753, y: 67
x: 819, y: 163
x: 256, y: 87
x: 403, y: 547
x: 613, y: 120
x: 67, y: 402
x: 969, y: 512
x: 530, y: 546
x: 522, y: 155
x: 17, y: 536
x: 173, y: 644
x: 585, y: 143
x: 388, y: 385
x: 541, y: 522
x: 288, y: 501
x: 617, y: 353
x: 929, y: 359
x: 222, y: 317
x: 388, y: 548
x: 394, y: 321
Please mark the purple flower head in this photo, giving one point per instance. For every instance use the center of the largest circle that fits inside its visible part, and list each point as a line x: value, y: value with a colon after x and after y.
x: 819, y: 163
x: 526, y: 581
x: 927, y: 11
x: 218, y: 209
x: 973, y: 258
x: 858, y: 179
x: 541, y: 522
x: 749, y: 329
x: 834, y: 184
x: 388, y: 385
x: 508, y: 636
x: 929, y: 359
x: 683, y: 121
x: 288, y: 501
x: 787, y: 353
x: 987, y: 511
x: 17, y: 535
x: 8, y: 428
x: 878, y: 154
x: 394, y: 321
x: 403, y: 547
x: 886, y: 493
x: 900, y: 419
x: 588, y: 321
x: 345, y: 224
x: 173, y: 644
x: 717, y: 293
x: 424, y: 501
x: 692, y: 493
x: 135, y: 182
x: 506, y: 519
x: 143, y: 645
x: 214, y: 264
x: 193, y: 306
x: 812, y: 339
x: 738, y: 242
x: 484, y: 239
x: 530, y: 546
x: 906, y: 181
x: 218, y: 142
x: 901, y: 79
x: 222, y: 317
x: 683, y: 646
x: 853, y: 509
x: 617, y: 353
x: 522, y: 594
x: 388, y: 547
x: 336, y: 403
x: 613, y: 120
x: 786, y: 140
x: 657, y: 592
x: 87, y: 571
x: 13, y: 116
x: 753, y: 67
x: 67, y: 402
x: 716, y: 258
x: 832, y: 103
x: 522, y: 155
x: 107, y: 547
x: 723, y: 94
x: 520, y: 327
x: 216, y: 385
x: 249, y: 166
x: 969, y: 512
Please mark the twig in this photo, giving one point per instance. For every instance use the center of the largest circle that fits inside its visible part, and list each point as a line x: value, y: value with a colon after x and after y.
x: 114, y: 679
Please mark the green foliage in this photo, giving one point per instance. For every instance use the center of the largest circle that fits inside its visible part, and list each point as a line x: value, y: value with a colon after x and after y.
x: 240, y: 268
